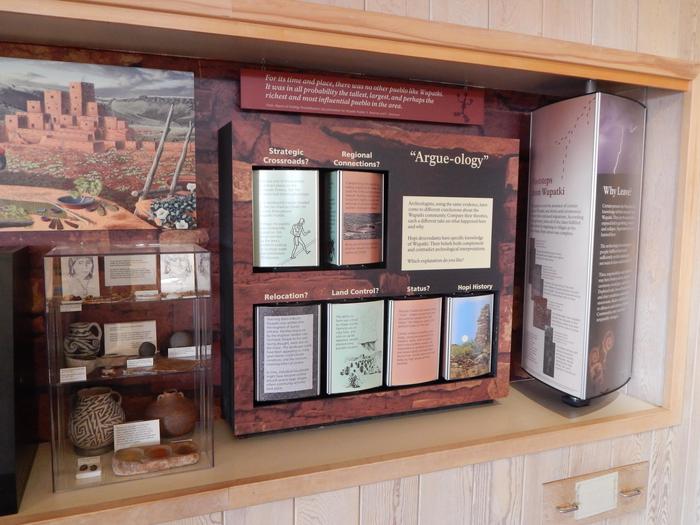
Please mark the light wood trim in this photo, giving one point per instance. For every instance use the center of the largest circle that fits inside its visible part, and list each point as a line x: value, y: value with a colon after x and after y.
x: 295, y: 484
x: 340, y: 29
x: 263, y: 469
x: 687, y: 219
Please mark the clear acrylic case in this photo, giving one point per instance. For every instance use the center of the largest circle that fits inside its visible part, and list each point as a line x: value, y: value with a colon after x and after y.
x: 129, y: 351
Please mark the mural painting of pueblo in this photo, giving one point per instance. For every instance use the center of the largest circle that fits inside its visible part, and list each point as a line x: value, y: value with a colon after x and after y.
x: 90, y: 147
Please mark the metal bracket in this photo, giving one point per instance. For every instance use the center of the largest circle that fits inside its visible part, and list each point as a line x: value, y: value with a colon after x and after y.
x: 631, y: 492
x: 565, y: 509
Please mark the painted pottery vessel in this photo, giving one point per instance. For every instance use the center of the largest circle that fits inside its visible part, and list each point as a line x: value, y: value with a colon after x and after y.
x: 176, y: 413
x: 91, y: 423
x: 83, y: 339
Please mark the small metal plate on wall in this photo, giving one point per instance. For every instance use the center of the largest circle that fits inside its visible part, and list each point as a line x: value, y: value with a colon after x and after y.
x: 560, y: 503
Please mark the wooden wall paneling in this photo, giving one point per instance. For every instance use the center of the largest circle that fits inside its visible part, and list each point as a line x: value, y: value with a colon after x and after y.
x: 539, y: 469
x: 684, y: 457
x: 633, y: 518
x: 215, y: 518
x: 691, y: 480
x: 689, y: 38
x: 474, y: 13
x: 589, y: 457
x: 569, y: 20
x: 664, y: 114
x: 634, y: 448
x: 409, y: 8
x: 446, y: 497
x: 691, y: 417
x: 391, y: 7
x: 274, y: 513
x: 340, y: 507
x: 506, y: 500
x: 517, y: 16
x: 661, y: 473
x: 392, y: 502
x: 418, y: 9
x: 615, y: 24
x: 658, y: 29
x: 481, y: 493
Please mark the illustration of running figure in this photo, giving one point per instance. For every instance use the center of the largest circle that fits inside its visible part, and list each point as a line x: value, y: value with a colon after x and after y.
x: 297, y: 231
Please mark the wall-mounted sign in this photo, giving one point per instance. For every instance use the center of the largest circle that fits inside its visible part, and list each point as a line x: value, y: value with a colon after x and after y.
x: 359, y: 97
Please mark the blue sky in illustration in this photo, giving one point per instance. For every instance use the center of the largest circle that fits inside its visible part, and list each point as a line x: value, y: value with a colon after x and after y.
x: 110, y: 81
x: 465, y: 312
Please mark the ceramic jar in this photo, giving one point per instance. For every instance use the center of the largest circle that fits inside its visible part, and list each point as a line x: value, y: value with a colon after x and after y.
x: 83, y: 339
x: 91, y: 423
x: 177, y: 414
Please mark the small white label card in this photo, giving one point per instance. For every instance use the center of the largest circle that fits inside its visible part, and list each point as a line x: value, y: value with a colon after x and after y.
x: 596, y: 495
x: 89, y: 467
x: 71, y: 375
x: 71, y: 306
x: 146, y: 295
x: 142, y: 362
x: 188, y: 352
x: 125, y: 338
x: 130, y: 270
x: 137, y: 434
x: 80, y: 276
x: 182, y: 352
x: 177, y: 273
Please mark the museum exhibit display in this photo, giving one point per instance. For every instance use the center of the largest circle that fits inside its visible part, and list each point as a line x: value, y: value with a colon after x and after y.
x: 369, y: 194
x: 361, y: 195
x: 582, y: 243
x: 129, y: 346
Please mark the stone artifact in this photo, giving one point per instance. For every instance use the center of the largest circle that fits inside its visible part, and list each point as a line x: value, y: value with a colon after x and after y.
x: 91, y: 423
x: 141, y: 460
x: 176, y: 413
x: 147, y: 349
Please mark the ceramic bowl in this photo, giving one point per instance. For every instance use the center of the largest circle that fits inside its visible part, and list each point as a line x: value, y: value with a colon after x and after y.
x: 76, y: 202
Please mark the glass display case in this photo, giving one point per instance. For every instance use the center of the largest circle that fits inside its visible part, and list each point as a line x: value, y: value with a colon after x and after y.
x: 129, y: 351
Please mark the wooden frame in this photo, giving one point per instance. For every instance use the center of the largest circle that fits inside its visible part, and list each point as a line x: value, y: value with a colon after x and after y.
x: 323, y: 37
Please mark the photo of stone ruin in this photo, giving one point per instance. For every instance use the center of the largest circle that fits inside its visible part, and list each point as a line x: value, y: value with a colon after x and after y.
x: 70, y: 119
